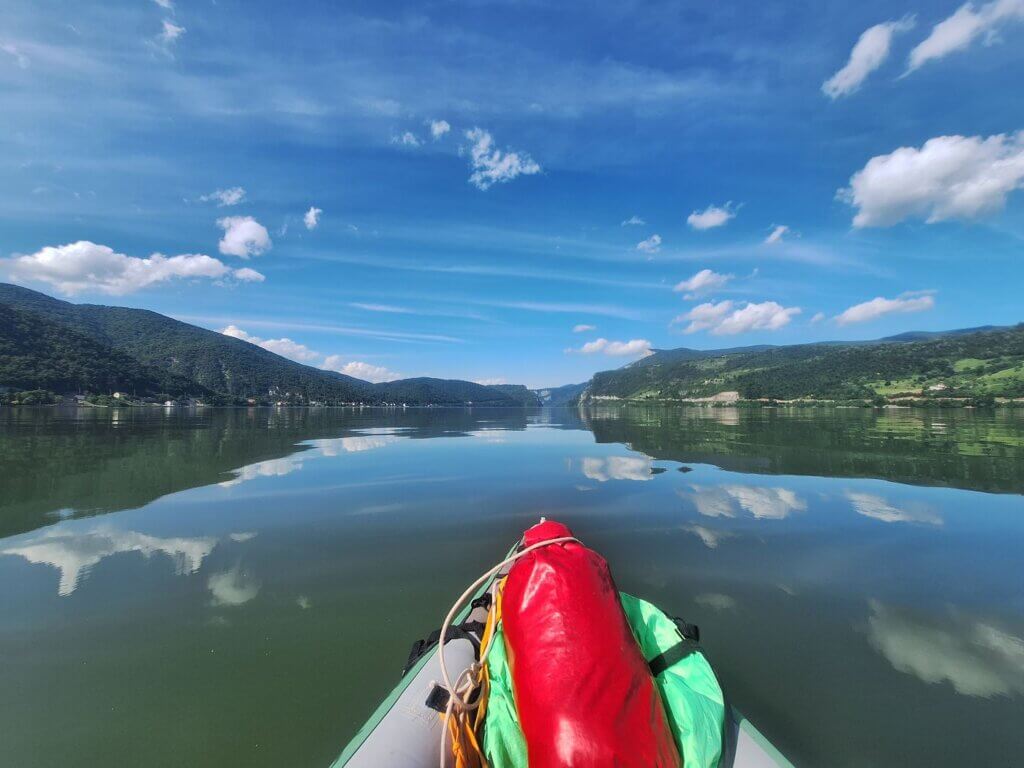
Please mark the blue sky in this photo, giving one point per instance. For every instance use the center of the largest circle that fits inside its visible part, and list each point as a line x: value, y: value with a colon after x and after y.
x: 472, y: 169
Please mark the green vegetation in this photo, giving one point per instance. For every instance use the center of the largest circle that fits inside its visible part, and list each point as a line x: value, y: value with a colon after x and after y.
x: 69, y: 348
x: 972, y: 368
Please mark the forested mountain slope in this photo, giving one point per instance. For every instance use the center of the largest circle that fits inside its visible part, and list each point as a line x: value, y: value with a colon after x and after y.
x: 973, y: 364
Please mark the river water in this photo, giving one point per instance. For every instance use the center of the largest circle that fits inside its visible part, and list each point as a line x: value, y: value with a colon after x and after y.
x: 241, y: 587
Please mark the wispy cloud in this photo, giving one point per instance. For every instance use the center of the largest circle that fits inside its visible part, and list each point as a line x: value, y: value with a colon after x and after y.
x: 225, y: 197
x: 703, y: 282
x: 633, y: 221
x: 491, y: 166
x: 651, y: 245
x: 959, y: 31
x: 869, y: 53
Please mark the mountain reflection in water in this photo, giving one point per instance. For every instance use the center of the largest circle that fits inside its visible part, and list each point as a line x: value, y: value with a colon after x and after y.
x: 241, y: 586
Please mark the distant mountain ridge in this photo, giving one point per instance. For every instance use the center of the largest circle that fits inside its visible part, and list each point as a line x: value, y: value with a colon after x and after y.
x: 168, y: 356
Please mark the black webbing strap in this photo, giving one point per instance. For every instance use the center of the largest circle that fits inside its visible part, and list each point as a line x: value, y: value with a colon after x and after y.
x: 688, y: 643
x: 468, y: 630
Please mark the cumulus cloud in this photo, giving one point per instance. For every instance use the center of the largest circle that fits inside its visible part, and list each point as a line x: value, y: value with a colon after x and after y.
x: 247, y: 275
x: 225, y: 197
x: 967, y: 24
x: 407, y: 139
x: 950, y: 177
x: 818, y: 317
x: 583, y: 328
x: 633, y: 221
x: 879, y: 508
x: 243, y: 237
x: 602, y: 346
x: 439, y: 128
x: 868, y: 54
x: 87, y: 266
x: 170, y: 32
x: 727, y: 318
x: 711, y: 217
x: 651, y: 245
x: 879, y: 307
x: 490, y: 382
x: 704, y: 281
x: 312, y: 217
x: 284, y: 347
x: 492, y: 166
x: 360, y: 370
x: 976, y: 657
x: 777, y: 233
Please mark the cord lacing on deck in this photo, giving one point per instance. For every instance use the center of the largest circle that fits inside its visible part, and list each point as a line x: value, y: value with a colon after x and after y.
x: 460, y: 693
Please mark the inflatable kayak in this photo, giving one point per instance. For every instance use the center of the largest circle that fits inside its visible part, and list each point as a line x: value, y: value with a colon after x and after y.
x: 543, y: 663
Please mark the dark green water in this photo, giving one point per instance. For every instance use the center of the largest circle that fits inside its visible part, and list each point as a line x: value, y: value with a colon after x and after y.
x: 240, y: 587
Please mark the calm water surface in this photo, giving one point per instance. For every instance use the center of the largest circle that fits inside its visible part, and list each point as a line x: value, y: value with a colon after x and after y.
x: 233, y: 587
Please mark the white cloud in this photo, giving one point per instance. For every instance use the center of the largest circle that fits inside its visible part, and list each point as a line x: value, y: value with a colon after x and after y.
x: 407, y: 139
x: 312, y: 217
x: 12, y: 50
x: 170, y: 32
x: 583, y: 328
x: 608, y: 468
x: 976, y: 657
x: 284, y: 347
x: 950, y: 177
x: 631, y: 348
x: 633, y: 221
x: 878, y: 508
x: 704, y: 281
x: 490, y: 382
x: 439, y: 128
x: 243, y: 237
x: 651, y: 245
x: 167, y: 5
x: 711, y: 217
x: 868, y: 54
x: 233, y: 587
x: 966, y: 25
x: 87, y: 266
x: 360, y: 370
x: 818, y: 317
x: 492, y: 166
x: 777, y: 234
x: 247, y: 275
x: 727, y: 318
x: 224, y: 197
x: 879, y: 307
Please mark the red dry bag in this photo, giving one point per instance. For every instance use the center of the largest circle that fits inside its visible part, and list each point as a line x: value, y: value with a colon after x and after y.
x: 583, y: 692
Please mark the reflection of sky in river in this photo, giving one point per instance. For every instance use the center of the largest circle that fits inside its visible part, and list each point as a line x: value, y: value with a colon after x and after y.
x: 853, y: 598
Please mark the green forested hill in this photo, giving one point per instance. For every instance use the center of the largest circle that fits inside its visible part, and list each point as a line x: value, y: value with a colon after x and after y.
x: 36, y: 353
x: 977, y: 364
x: 212, y: 362
x: 517, y: 392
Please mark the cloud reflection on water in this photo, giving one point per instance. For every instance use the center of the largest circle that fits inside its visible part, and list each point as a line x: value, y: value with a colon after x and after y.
x: 975, y: 657
x: 762, y: 503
